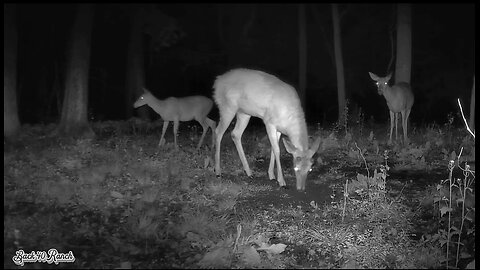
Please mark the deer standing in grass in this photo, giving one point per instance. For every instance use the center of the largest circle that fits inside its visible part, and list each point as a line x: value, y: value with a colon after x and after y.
x: 399, y: 99
x: 246, y: 93
x: 180, y: 109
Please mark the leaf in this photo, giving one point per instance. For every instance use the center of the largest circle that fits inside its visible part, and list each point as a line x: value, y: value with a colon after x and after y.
x: 460, y: 201
x: 116, y: 194
x: 250, y: 257
x: 320, y: 161
x: 125, y: 265
x: 260, y: 239
x: 206, y: 162
x: 471, y: 265
x: 453, y: 155
x: 444, y: 210
x: 464, y: 255
x: 219, y: 257
x: 350, y: 264
x: 273, y: 249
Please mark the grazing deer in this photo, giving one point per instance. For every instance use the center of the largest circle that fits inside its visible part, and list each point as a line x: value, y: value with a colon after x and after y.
x: 180, y: 109
x: 246, y: 93
x: 399, y: 99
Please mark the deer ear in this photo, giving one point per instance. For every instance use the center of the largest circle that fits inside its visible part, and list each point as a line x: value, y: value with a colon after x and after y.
x: 373, y: 76
x: 289, y: 146
x: 312, y: 150
x: 388, y: 76
x: 145, y: 90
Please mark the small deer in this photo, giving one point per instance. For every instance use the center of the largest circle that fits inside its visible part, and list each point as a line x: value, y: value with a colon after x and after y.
x: 246, y: 93
x: 180, y: 109
x: 399, y: 99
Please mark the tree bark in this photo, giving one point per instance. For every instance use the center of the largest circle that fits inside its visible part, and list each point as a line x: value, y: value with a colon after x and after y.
x: 404, y: 44
x: 472, y: 107
x: 221, y: 36
x: 11, y: 122
x: 326, y: 39
x: 302, y: 51
x: 74, y: 120
x: 337, y: 39
x: 135, y: 66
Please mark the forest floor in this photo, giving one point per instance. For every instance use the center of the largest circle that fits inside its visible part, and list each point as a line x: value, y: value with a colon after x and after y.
x: 120, y: 201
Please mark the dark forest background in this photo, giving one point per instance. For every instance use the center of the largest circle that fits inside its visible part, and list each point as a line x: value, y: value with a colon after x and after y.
x: 218, y: 37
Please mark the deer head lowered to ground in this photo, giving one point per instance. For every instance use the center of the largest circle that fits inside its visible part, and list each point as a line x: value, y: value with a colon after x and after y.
x: 180, y: 109
x: 399, y: 99
x: 246, y: 93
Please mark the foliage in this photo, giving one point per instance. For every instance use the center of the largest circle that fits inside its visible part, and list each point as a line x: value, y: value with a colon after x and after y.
x: 118, y: 200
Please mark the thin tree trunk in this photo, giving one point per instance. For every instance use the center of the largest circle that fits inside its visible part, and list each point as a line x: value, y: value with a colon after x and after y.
x: 221, y: 37
x: 404, y: 44
x: 326, y: 39
x: 11, y: 122
x: 249, y: 23
x: 302, y: 50
x: 472, y: 107
x: 236, y: 44
x: 392, y: 52
x: 74, y: 119
x: 339, y: 63
x: 135, y: 66
x: 43, y: 93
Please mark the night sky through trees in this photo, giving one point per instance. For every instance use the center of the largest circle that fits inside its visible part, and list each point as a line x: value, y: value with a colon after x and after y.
x: 219, y: 37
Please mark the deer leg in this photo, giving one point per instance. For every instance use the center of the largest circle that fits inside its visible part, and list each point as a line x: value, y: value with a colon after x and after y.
x: 205, y: 128
x: 162, y: 139
x: 240, y: 125
x: 211, y: 124
x: 392, y: 114
x: 271, y: 175
x: 406, y: 113
x: 225, y: 119
x: 396, y: 125
x: 175, y: 131
x: 274, y: 137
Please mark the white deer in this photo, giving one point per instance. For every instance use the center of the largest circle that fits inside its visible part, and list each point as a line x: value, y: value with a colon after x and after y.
x: 399, y: 99
x: 246, y: 93
x: 180, y: 109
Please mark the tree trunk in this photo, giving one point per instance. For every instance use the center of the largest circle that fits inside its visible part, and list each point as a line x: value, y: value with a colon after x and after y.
x: 74, y: 120
x: 404, y: 44
x: 302, y: 51
x: 472, y: 107
x: 236, y: 39
x: 392, y: 52
x: 326, y: 38
x: 135, y: 66
x: 337, y: 39
x: 221, y: 37
x: 11, y: 122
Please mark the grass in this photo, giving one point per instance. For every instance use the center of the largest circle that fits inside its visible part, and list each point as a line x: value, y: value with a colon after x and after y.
x: 120, y: 201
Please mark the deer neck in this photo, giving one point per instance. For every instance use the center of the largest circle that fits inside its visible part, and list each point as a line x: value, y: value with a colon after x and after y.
x: 156, y: 104
x: 297, y: 134
x: 388, y: 94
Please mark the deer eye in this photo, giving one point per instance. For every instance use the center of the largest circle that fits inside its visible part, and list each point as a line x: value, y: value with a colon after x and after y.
x: 310, y: 170
x: 296, y: 169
